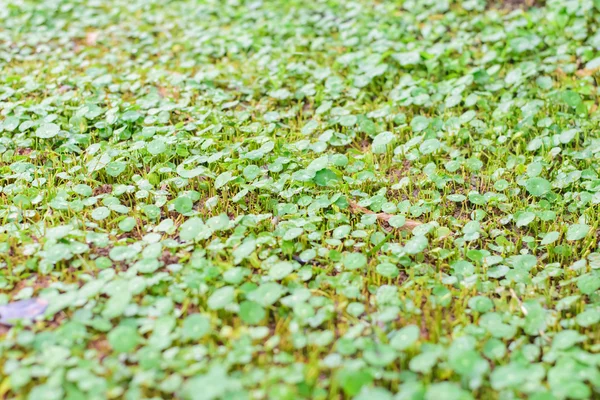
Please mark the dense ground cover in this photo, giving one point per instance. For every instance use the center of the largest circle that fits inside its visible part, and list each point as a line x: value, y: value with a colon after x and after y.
x: 300, y: 199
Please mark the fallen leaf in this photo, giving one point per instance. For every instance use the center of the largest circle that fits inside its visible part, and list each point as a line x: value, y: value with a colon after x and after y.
x: 91, y: 38
x: 409, y: 225
x: 23, y: 309
x: 586, y: 72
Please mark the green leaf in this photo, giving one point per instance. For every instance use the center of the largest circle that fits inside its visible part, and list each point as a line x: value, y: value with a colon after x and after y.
x: 577, y: 231
x: 419, y: 123
x: 593, y: 64
x: 223, y: 179
x: 535, y: 320
x: 100, y: 213
x: 195, y: 327
x: 388, y: 270
x: 221, y: 298
x: 447, y: 391
x: 588, y: 318
x: 292, y: 233
x: 508, y: 376
x: 183, y: 204
x: 211, y: 385
x: 480, y: 304
x: 429, y: 146
x: 588, y: 283
x: 251, y: 172
x: 281, y: 270
x: 191, y: 228
x: 423, y: 362
x: 381, y: 141
x: 124, y: 338
x: 47, y: 131
x: 462, y: 267
x: 156, y: 147
x: 325, y: 177
x: 524, y: 218
x: 374, y: 393
x: 573, y: 99
x: 537, y: 186
x: 115, y: 168
x: 416, y: 245
x: 266, y: 294
x: 550, y: 237
x: 405, y: 337
x: 354, y: 261
x: 397, y: 221
x: 352, y: 381
x: 251, y: 312
x: 566, y: 339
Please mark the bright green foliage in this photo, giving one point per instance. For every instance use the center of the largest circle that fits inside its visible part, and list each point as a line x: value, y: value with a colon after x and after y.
x: 218, y: 198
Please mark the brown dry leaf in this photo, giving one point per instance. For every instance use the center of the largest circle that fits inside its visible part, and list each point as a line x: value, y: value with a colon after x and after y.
x: 102, y: 347
x: 91, y: 38
x: 409, y: 225
x: 163, y: 92
x: 560, y: 73
x: 102, y: 189
x: 586, y: 72
x: 23, y: 151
